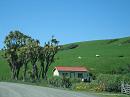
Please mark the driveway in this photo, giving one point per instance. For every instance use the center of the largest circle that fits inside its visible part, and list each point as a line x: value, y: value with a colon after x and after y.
x: 21, y: 90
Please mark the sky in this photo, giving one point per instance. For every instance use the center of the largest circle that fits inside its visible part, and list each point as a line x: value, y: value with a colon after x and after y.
x: 68, y: 20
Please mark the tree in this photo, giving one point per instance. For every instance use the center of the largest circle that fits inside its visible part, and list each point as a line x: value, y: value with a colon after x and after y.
x: 13, y: 44
x: 23, y: 55
x: 46, y: 56
x: 19, y: 50
x: 33, y: 56
x: 41, y: 59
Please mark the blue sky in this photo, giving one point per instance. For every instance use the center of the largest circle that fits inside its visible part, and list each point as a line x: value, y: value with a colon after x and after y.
x: 69, y: 20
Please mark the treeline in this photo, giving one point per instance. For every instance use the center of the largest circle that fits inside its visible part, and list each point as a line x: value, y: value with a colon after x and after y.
x: 21, y: 50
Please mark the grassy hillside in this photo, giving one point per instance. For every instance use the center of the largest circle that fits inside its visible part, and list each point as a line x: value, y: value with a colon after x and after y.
x: 4, y: 68
x: 114, y: 56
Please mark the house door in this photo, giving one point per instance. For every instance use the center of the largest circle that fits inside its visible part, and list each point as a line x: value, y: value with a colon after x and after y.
x: 72, y: 75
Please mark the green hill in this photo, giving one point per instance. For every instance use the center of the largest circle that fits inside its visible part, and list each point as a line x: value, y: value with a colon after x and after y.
x: 114, y: 57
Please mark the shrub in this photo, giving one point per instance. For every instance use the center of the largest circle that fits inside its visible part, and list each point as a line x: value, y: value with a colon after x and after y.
x: 71, y: 46
x: 126, y: 41
x: 112, y: 83
x: 112, y: 40
x: 66, y: 82
x: 60, y: 82
x: 103, y: 82
x: 75, y: 80
x: 81, y: 86
x: 55, y: 81
x: 121, y: 70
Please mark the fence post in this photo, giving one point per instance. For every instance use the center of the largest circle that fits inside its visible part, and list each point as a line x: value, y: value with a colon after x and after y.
x: 125, y: 88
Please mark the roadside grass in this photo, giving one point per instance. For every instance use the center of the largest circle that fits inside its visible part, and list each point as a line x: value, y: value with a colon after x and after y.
x: 36, y: 83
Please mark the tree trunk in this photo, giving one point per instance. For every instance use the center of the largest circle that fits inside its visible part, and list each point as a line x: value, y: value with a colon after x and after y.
x: 25, y: 70
x: 41, y: 73
x: 46, y: 70
x: 35, y: 72
x: 17, y: 73
x: 42, y: 68
x: 13, y: 73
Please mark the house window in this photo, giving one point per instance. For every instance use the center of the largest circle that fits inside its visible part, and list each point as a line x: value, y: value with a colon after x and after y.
x: 80, y: 75
x: 65, y: 74
x: 72, y: 75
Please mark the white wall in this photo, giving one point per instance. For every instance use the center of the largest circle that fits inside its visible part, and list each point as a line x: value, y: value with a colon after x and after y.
x: 55, y: 73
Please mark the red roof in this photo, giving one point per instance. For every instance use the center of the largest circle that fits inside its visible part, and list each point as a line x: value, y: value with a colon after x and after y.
x: 66, y: 68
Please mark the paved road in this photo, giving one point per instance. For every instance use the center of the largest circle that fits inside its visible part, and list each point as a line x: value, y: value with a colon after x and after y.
x: 22, y: 90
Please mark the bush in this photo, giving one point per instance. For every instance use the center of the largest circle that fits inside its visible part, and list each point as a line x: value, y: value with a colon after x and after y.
x: 127, y: 41
x: 75, y: 80
x: 81, y: 86
x: 66, y: 82
x: 93, y: 86
x: 60, y: 82
x: 112, y: 83
x: 112, y: 40
x: 55, y: 81
x: 71, y: 46
x: 104, y: 82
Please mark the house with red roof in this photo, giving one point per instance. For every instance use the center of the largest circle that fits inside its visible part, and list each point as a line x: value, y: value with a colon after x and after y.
x: 71, y: 72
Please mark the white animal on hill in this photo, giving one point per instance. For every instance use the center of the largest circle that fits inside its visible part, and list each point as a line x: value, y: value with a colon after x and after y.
x: 79, y: 57
x: 97, y: 55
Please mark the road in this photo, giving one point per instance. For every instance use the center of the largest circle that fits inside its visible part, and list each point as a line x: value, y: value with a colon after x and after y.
x: 21, y: 90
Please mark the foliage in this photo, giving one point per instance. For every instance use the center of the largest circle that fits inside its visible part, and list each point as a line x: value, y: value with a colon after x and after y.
x: 111, y: 83
x: 75, y: 80
x: 66, y: 82
x: 60, y: 82
x: 112, y: 40
x: 121, y: 70
x: 81, y: 86
x: 126, y: 41
x: 108, y: 62
x: 55, y: 81
x: 20, y: 50
x: 103, y: 82
x: 71, y: 46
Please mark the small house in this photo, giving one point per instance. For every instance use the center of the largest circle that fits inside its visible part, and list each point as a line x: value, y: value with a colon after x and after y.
x: 71, y: 72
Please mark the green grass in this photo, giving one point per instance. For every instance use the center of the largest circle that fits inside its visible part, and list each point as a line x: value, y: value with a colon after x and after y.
x: 109, y: 51
x: 4, y: 68
x: 109, y: 55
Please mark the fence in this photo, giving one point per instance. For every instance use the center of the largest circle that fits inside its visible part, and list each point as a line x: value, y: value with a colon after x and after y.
x: 125, y: 88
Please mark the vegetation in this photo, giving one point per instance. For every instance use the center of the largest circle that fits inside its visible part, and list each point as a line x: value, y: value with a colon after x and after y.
x: 33, y: 61
x: 20, y: 50
x: 103, y: 82
x: 114, y: 57
x: 109, y: 61
x: 60, y: 82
